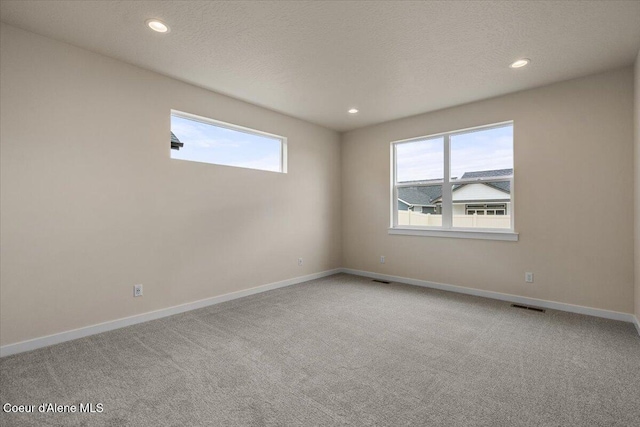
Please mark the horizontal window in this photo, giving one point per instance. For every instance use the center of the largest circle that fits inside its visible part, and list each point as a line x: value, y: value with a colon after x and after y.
x: 457, y: 181
x: 486, y: 209
x: 199, y: 139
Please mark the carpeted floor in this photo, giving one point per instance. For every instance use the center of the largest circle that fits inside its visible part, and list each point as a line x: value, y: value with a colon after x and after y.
x: 341, y: 351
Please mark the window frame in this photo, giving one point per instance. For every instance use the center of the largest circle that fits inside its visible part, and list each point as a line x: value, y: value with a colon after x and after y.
x: 237, y: 128
x: 447, y: 229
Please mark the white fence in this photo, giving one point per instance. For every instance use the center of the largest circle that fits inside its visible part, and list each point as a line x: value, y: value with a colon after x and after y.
x: 466, y: 221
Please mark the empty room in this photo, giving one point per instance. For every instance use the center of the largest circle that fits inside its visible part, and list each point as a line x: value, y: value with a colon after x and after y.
x: 319, y: 213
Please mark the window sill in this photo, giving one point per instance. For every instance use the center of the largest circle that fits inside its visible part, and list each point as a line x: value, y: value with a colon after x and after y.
x: 458, y: 234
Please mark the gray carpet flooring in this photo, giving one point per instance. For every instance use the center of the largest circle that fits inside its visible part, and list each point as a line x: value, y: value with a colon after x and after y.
x: 341, y: 351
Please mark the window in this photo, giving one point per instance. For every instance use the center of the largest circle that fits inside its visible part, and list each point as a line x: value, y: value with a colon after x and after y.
x: 199, y: 139
x: 487, y: 209
x: 464, y: 178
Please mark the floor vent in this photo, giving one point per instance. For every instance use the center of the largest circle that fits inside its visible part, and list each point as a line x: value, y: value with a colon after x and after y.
x: 526, y: 307
x: 380, y: 281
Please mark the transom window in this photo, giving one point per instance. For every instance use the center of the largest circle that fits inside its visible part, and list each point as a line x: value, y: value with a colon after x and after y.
x: 460, y: 180
x: 199, y: 139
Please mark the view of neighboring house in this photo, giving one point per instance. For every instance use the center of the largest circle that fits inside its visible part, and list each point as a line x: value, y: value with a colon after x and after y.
x: 175, y: 142
x: 483, y: 198
x: 422, y: 199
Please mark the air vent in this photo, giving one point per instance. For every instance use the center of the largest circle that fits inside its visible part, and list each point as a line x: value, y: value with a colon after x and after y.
x: 380, y: 281
x: 526, y: 307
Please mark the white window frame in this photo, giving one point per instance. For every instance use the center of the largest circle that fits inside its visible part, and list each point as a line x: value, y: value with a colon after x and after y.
x: 447, y: 229
x: 238, y: 128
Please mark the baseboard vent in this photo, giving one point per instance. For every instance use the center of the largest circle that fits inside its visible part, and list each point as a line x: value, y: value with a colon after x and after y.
x: 526, y: 307
x: 380, y: 281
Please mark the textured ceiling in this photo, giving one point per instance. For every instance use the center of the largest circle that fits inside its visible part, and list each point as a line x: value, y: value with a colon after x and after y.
x: 315, y: 60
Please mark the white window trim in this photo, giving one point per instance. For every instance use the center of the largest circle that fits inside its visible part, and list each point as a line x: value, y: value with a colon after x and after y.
x: 447, y: 229
x: 218, y: 123
x: 457, y: 233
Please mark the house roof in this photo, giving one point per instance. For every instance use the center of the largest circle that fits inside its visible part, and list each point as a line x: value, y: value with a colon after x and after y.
x: 420, y: 196
x: 429, y: 195
x: 502, y: 186
x: 175, y: 142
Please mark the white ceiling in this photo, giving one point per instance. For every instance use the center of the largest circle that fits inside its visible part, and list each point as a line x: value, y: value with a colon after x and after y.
x: 315, y: 60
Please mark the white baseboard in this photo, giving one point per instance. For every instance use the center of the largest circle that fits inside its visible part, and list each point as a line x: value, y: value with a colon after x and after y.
x: 607, y: 314
x: 48, y: 340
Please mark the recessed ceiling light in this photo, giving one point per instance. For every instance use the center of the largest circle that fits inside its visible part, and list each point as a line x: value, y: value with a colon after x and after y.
x: 353, y: 111
x: 158, y: 26
x: 520, y: 63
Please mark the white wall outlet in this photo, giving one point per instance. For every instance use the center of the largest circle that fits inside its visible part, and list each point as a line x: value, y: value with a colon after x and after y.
x: 300, y: 262
x: 137, y: 290
x: 382, y: 259
x: 528, y: 277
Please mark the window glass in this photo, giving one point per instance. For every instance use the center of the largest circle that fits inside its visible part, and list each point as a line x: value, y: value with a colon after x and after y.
x: 477, y: 193
x: 211, y: 142
x: 420, y: 160
x: 487, y: 199
x: 482, y: 153
x: 428, y: 213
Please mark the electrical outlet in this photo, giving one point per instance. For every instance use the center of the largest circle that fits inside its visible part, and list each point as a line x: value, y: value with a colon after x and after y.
x: 300, y: 262
x: 528, y: 277
x: 137, y: 290
x: 382, y: 259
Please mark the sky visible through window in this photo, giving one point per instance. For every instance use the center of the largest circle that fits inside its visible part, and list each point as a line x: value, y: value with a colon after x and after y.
x: 473, y: 151
x: 208, y: 143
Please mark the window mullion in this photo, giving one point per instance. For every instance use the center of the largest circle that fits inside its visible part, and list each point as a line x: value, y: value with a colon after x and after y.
x: 509, y: 206
x: 447, y: 204
x: 394, y: 186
